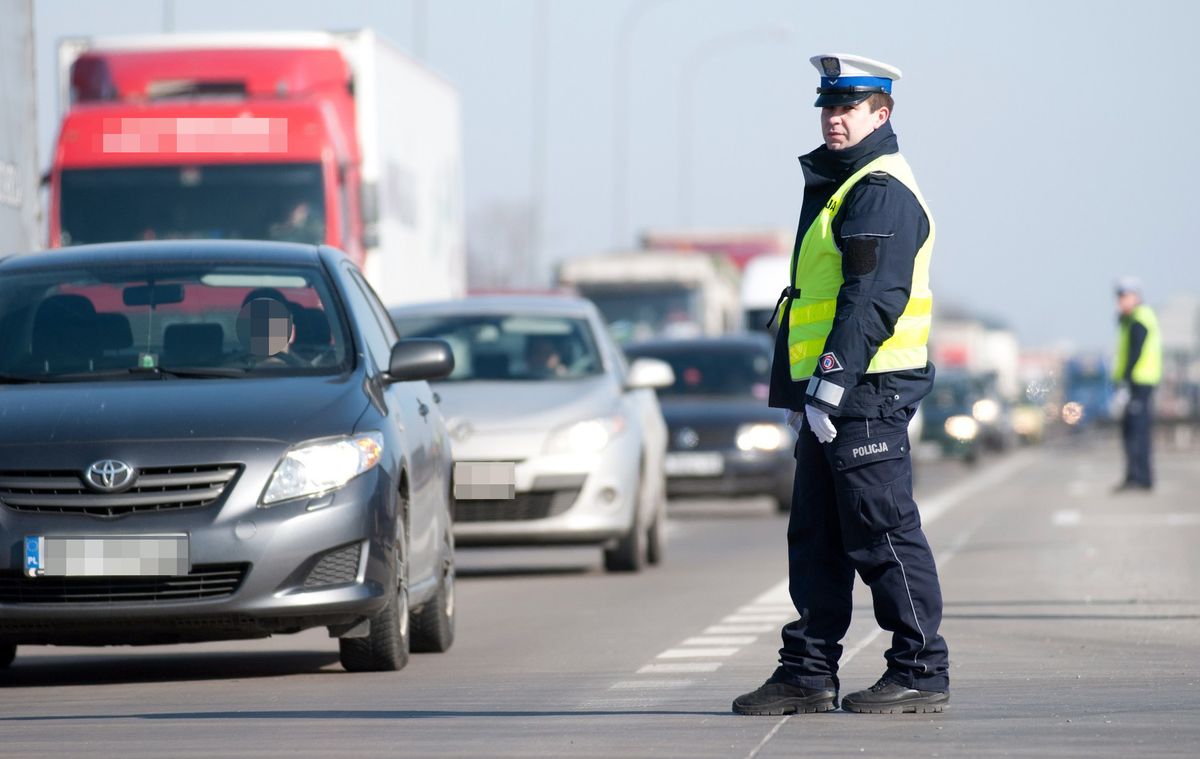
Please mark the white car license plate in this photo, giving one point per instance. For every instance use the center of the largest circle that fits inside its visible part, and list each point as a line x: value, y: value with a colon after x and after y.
x: 110, y: 556
x: 695, y: 464
x: 485, y: 480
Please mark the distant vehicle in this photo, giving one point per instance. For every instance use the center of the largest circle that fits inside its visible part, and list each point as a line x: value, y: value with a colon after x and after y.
x: 724, y: 439
x: 333, y: 138
x: 212, y: 440
x: 762, y: 282
x: 649, y: 293
x: 1087, y: 392
x: 539, y: 384
x: 947, y: 412
x: 20, y: 196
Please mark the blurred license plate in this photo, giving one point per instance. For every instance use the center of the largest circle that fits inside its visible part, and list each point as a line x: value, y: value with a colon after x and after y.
x: 485, y: 480
x: 110, y: 556
x: 695, y: 465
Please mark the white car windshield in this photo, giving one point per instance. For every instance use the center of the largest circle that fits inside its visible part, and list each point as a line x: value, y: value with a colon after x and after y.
x: 511, y: 346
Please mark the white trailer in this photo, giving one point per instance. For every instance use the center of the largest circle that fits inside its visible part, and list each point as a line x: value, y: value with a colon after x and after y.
x: 20, y: 202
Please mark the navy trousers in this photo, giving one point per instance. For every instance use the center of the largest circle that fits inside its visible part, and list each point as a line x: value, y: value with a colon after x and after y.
x: 1136, y: 426
x: 853, y: 511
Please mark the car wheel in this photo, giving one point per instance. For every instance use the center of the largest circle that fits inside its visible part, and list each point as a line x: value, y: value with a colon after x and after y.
x: 8, y: 652
x: 433, y: 623
x: 656, y: 535
x: 385, y: 649
x: 627, y: 555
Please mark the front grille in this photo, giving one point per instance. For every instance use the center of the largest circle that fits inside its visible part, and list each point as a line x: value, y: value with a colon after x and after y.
x: 703, y: 437
x: 203, y: 582
x: 526, y: 506
x: 336, y: 567
x: 156, y: 489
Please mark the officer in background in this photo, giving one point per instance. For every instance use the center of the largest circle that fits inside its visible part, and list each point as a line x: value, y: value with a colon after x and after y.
x: 851, y: 363
x: 1136, y: 371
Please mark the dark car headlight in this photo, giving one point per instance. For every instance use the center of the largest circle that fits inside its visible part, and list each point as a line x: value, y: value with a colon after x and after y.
x: 322, y: 466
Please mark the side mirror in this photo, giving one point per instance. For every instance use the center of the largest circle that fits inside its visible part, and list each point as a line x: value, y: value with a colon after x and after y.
x: 649, y: 373
x: 420, y: 358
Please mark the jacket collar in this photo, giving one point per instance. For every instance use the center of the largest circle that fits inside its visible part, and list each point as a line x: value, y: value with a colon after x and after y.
x: 823, y: 165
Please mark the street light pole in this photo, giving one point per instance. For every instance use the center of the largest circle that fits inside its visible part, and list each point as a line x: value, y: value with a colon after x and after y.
x: 687, y: 86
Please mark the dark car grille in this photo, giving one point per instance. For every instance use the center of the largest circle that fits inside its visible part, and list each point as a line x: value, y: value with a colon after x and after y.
x: 336, y: 567
x: 203, y: 582
x: 156, y: 489
x: 525, y: 506
x: 703, y: 437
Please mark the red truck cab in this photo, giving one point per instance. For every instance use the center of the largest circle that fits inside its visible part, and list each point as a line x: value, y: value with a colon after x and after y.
x: 209, y: 143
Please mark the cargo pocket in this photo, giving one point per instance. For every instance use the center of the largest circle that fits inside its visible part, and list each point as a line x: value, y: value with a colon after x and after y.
x: 867, y: 473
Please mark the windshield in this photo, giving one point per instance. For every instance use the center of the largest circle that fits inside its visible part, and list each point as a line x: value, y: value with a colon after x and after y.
x: 731, y: 372
x: 258, y: 202
x: 155, y: 319
x: 647, y: 312
x: 511, y: 347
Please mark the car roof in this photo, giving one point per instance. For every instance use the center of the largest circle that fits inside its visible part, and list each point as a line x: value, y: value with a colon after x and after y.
x: 178, y: 251
x: 740, y: 340
x: 556, y: 305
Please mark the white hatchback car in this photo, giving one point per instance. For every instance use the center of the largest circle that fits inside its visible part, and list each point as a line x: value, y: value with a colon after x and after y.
x: 542, y: 402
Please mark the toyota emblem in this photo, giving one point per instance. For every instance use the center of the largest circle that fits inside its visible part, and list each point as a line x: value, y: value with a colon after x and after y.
x: 109, y: 475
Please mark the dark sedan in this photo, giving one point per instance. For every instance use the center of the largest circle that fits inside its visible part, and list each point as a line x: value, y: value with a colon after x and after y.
x: 207, y: 440
x: 723, y: 439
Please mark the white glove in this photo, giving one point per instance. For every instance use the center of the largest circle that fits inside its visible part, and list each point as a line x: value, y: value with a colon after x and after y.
x: 821, y: 424
x: 1118, y: 402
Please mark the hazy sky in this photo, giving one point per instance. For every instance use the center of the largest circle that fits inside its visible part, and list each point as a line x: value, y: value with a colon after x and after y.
x: 1053, y: 140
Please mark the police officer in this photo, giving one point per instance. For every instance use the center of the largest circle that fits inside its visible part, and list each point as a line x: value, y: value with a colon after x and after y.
x: 851, y: 363
x: 1136, y: 371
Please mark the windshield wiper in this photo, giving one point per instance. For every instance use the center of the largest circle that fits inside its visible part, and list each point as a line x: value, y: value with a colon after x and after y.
x: 19, y: 379
x: 190, y: 372
x: 147, y: 372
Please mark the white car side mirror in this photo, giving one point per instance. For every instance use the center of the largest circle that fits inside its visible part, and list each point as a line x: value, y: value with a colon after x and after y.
x: 649, y: 373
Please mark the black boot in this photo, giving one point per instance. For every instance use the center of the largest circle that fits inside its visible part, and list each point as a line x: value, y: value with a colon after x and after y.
x: 889, y: 697
x: 778, y: 696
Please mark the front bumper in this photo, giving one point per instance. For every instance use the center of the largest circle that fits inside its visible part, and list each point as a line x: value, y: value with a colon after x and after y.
x: 307, y: 563
x: 743, y: 473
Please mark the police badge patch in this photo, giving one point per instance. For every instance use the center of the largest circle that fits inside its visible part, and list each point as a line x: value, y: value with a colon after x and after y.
x: 831, y: 67
x: 829, y: 364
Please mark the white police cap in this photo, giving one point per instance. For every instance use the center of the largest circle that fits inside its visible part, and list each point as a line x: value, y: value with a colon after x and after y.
x: 1129, y: 285
x: 851, y: 79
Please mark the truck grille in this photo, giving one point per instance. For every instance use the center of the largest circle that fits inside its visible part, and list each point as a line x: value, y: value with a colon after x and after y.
x: 156, y: 489
x: 524, y: 507
x: 203, y: 582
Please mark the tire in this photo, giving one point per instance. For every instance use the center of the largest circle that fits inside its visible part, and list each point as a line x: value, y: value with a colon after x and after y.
x: 8, y: 652
x: 656, y: 535
x: 385, y: 649
x: 433, y: 623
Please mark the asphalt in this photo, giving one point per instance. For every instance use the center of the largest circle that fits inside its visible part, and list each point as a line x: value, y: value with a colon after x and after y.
x: 1072, y: 615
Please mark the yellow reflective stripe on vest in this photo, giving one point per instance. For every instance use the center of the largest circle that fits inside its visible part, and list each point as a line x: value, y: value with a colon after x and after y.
x: 817, y: 275
x: 1148, y: 369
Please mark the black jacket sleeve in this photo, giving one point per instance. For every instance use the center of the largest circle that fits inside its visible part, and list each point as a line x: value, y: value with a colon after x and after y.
x: 1137, y: 339
x: 879, y: 230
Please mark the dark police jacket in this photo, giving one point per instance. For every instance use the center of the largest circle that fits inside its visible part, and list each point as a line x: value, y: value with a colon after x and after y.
x: 876, y: 287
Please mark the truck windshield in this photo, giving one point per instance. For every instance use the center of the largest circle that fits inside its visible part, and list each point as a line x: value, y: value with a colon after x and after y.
x: 160, y: 319
x: 643, y: 313
x: 248, y: 202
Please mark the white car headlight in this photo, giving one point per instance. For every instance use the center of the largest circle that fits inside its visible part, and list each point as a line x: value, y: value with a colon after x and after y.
x: 762, y: 437
x: 962, y: 427
x: 323, y: 466
x: 589, y: 436
x: 985, y: 411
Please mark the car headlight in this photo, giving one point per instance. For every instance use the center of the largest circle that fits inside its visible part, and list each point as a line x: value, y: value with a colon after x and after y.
x: 962, y: 427
x: 323, y: 466
x: 761, y: 437
x: 985, y: 411
x: 589, y: 436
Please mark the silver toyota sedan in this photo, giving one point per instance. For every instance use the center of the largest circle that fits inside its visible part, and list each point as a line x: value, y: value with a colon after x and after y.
x: 207, y: 440
x: 573, y: 437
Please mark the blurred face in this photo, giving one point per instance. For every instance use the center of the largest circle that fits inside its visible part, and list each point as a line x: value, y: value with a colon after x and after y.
x: 1126, y: 302
x: 844, y: 126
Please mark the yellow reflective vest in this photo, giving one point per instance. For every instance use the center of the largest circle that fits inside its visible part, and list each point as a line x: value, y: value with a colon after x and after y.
x: 1148, y: 369
x: 817, y: 279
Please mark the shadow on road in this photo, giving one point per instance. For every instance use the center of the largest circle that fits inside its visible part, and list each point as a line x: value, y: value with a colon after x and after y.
x: 464, y: 573
x: 376, y: 714
x: 72, y: 670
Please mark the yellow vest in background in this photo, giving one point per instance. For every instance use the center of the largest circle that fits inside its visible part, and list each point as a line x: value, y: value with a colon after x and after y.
x: 1148, y: 369
x: 817, y: 276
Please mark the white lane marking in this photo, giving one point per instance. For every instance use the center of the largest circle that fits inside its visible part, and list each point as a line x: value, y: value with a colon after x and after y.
x: 757, y: 627
x: 698, y: 653
x: 720, y: 640
x: 1074, y: 518
x: 691, y: 666
x: 651, y: 684
x: 767, y: 738
x: 1066, y: 517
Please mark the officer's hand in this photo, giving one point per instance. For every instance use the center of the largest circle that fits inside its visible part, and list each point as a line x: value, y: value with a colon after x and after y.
x: 1120, y: 399
x: 822, y: 425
